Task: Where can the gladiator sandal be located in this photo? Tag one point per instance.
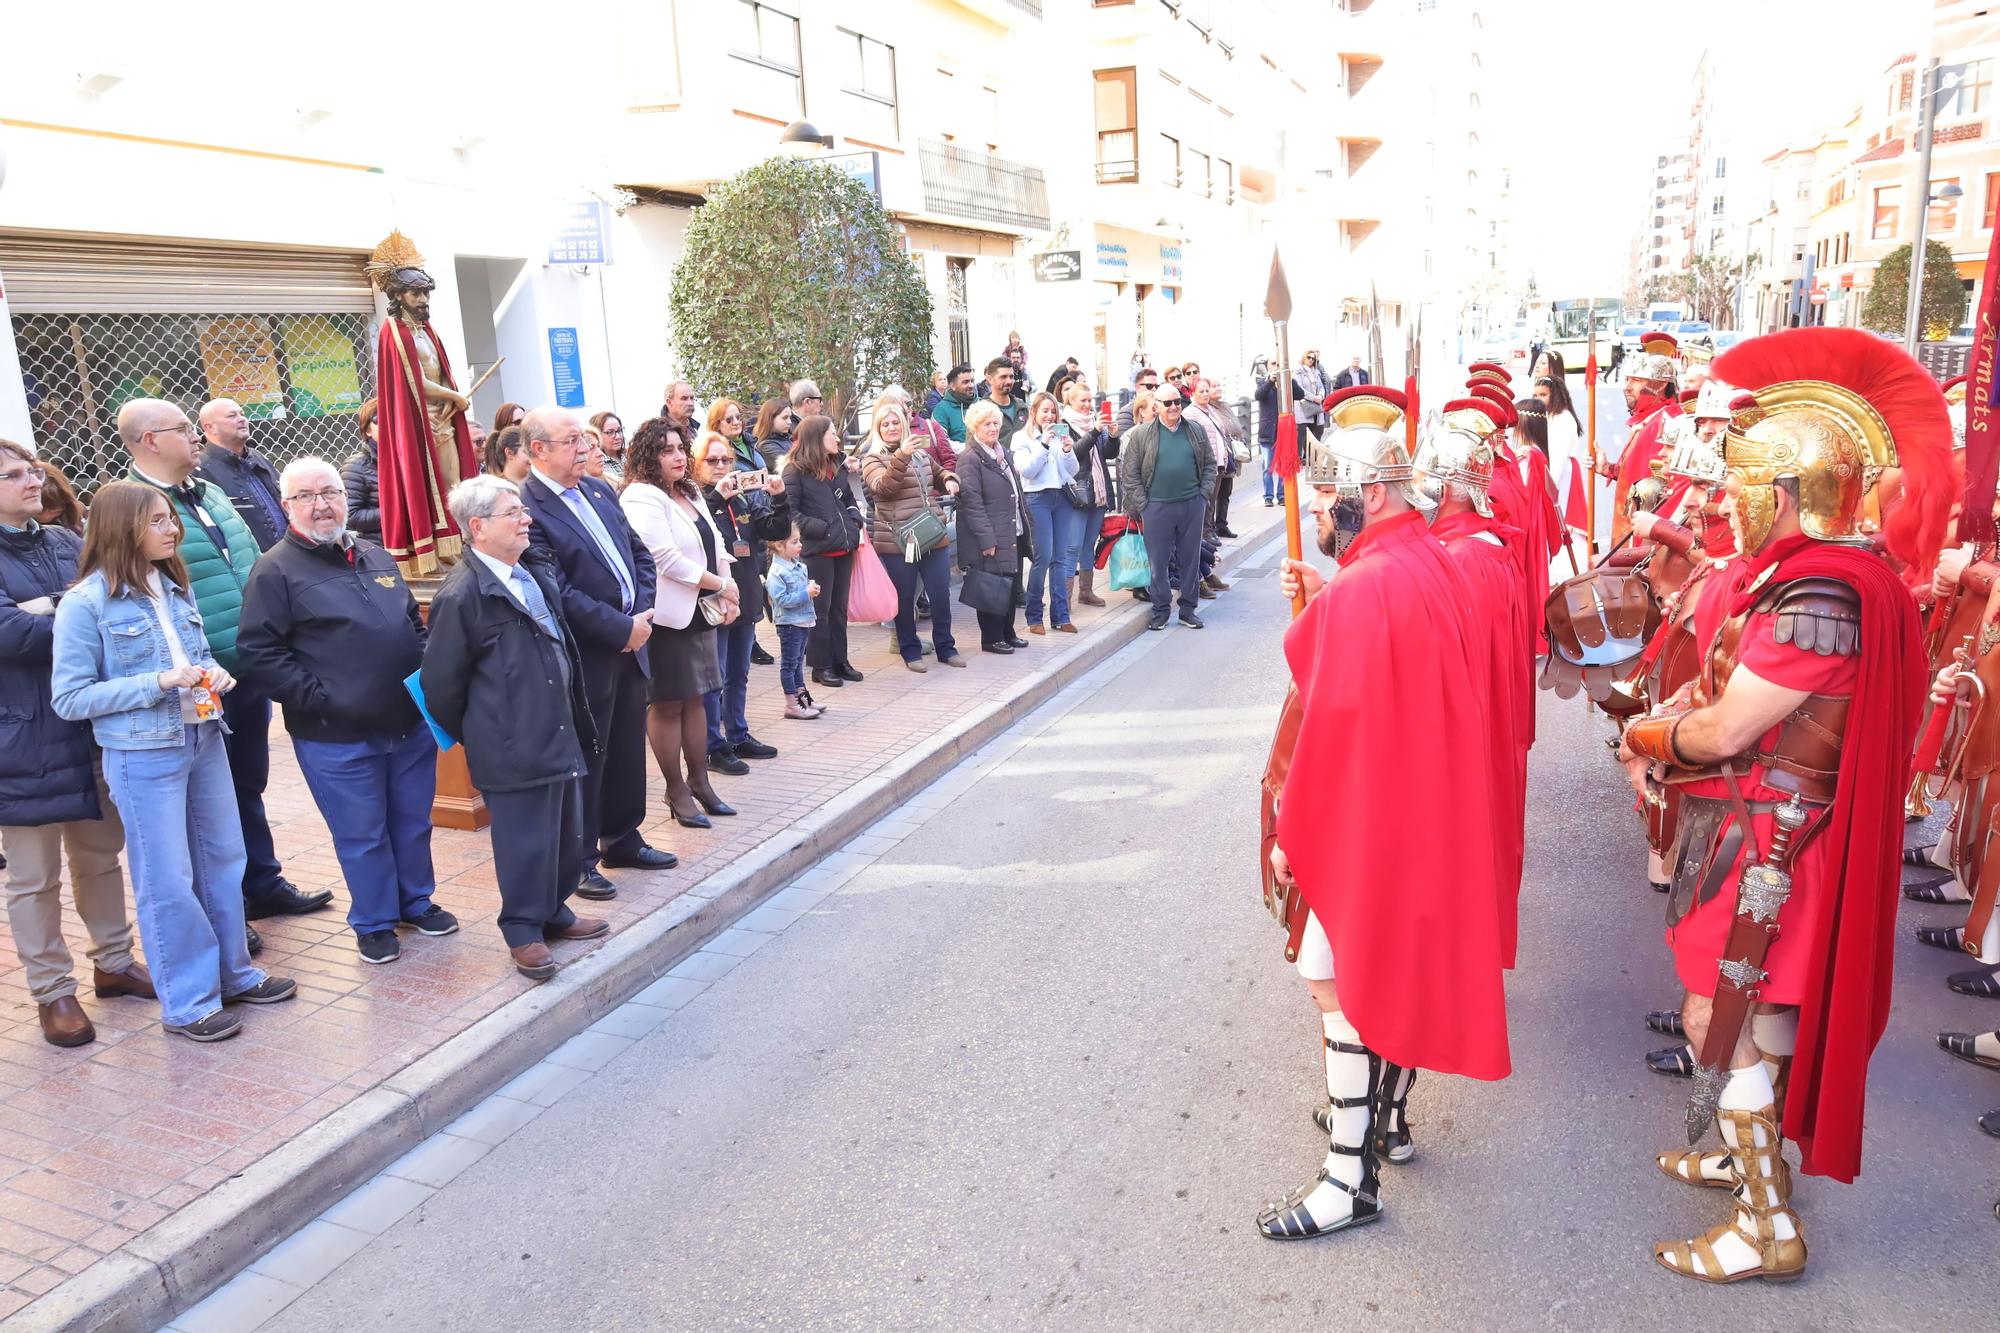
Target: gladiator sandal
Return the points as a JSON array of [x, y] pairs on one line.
[[1390, 1133], [1717, 1170], [1763, 1213], [1327, 1202]]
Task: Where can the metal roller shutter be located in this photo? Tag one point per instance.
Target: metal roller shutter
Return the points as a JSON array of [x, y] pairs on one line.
[[84, 274]]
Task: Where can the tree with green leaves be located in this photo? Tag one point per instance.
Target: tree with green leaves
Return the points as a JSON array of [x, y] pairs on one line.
[[1888, 306], [793, 270]]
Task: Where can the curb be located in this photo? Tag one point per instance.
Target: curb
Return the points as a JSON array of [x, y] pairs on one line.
[[170, 1267]]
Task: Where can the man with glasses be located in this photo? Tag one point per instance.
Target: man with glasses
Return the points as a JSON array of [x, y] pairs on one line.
[[219, 552], [1146, 381], [607, 580], [806, 402], [1166, 474], [503, 676], [331, 631]]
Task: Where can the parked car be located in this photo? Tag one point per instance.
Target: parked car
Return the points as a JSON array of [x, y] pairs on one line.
[[1728, 338], [1694, 333]]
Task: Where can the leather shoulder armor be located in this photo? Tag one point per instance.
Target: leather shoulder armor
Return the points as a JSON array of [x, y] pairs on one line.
[[1818, 616]]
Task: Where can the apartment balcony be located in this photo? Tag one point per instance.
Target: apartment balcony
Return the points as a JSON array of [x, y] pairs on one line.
[[1006, 13], [961, 182], [1117, 157]]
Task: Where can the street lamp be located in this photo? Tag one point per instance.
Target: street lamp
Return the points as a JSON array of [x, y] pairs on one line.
[[801, 137], [1914, 311]]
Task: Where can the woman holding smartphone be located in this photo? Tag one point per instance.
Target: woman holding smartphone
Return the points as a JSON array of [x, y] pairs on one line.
[[1045, 457]]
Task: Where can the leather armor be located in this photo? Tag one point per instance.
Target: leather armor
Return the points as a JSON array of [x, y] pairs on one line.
[[1815, 615], [1599, 623]]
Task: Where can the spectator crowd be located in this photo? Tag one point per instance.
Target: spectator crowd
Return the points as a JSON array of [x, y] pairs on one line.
[[606, 606]]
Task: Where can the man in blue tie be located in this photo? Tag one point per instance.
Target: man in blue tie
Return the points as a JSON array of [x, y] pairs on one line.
[[605, 576], [503, 676]]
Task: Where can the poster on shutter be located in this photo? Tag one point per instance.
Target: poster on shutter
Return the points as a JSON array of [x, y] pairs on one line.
[[241, 362], [566, 365], [320, 364]]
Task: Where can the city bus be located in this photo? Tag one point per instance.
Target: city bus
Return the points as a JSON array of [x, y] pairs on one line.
[[1569, 329]]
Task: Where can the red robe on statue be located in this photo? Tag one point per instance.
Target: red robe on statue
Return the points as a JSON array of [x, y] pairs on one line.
[[1478, 547], [1387, 815], [417, 529]]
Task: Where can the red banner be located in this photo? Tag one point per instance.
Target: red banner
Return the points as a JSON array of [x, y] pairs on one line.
[[1982, 423]]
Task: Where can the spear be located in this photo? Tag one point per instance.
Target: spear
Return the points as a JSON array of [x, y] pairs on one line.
[[1285, 457], [1590, 382], [1412, 340]]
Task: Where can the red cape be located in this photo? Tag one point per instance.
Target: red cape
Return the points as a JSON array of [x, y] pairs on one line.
[[1499, 612], [1529, 525], [1847, 998], [417, 529], [1636, 463], [1403, 886]]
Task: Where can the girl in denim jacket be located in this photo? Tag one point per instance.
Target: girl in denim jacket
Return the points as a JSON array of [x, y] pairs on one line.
[[131, 659], [792, 592]]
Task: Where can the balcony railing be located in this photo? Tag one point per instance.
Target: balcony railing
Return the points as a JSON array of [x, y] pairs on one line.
[[970, 184], [1117, 156]]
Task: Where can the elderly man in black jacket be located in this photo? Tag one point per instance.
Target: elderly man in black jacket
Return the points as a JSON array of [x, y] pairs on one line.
[[606, 579], [502, 675], [52, 795], [331, 632]]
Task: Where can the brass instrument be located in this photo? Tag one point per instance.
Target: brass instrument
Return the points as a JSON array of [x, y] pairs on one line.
[[1968, 703]]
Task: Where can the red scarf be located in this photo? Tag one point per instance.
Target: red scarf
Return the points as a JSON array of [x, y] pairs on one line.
[[1847, 1000]]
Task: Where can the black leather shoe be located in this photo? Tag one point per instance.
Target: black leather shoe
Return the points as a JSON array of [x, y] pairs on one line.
[[645, 858], [284, 899], [723, 761], [1673, 1061], [595, 887], [758, 657], [715, 805], [846, 671], [1666, 1022], [1017, 642], [827, 677], [752, 748], [696, 820], [252, 940], [1005, 650]]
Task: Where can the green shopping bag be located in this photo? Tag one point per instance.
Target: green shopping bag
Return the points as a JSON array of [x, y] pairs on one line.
[[1129, 566]]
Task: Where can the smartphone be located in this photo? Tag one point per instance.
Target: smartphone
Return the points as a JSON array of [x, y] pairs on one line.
[[1062, 429], [752, 481]]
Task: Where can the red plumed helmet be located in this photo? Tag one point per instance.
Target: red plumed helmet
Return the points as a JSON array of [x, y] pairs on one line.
[[1495, 412], [1394, 397], [1502, 404], [1901, 392]]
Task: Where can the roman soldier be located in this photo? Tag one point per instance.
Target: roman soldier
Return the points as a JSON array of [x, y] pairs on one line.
[[1652, 398], [1787, 854], [1379, 708], [1456, 464]]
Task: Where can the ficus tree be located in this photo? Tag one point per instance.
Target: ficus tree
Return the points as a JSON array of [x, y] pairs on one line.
[[1889, 299], [793, 270]]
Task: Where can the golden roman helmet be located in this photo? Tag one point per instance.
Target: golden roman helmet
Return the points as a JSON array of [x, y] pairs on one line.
[[1456, 451], [1819, 436], [1363, 444]]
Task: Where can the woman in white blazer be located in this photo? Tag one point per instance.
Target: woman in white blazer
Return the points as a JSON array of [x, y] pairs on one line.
[[664, 505]]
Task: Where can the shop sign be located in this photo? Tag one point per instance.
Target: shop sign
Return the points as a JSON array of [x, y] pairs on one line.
[[582, 234], [566, 364], [241, 362], [319, 357], [1059, 266]]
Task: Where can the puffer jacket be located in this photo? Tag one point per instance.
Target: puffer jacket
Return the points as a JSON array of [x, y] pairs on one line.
[[362, 481], [898, 483], [215, 575], [47, 773]]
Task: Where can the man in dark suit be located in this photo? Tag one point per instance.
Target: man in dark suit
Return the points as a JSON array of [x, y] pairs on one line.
[[502, 675], [1351, 376], [607, 583]]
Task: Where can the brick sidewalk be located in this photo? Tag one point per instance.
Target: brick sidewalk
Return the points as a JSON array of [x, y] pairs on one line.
[[99, 1143]]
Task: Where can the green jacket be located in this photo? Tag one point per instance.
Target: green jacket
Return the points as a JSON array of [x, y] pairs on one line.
[[217, 578], [950, 414]]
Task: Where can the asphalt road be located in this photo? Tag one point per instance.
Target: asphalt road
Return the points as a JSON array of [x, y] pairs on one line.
[[1038, 1066]]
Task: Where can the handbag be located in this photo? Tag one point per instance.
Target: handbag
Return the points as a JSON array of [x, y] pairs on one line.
[[714, 610], [871, 594], [924, 531], [1129, 566], [987, 592]]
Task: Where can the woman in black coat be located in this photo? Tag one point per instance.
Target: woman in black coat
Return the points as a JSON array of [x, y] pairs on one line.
[[993, 530], [820, 482]]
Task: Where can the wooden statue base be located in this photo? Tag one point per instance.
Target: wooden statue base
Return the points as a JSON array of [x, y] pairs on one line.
[[458, 803]]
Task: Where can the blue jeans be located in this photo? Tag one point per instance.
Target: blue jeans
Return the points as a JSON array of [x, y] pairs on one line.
[[934, 571], [1274, 485], [1054, 522], [248, 717], [792, 657], [1173, 546], [1083, 550], [727, 722], [184, 848], [375, 796]]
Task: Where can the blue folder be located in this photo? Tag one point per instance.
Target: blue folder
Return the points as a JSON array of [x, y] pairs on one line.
[[415, 685]]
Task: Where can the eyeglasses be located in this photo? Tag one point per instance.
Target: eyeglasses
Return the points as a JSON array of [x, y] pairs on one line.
[[319, 497], [1172, 402], [612, 430], [37, 473], [502, 515], [187, 428], [164, 523]]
